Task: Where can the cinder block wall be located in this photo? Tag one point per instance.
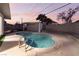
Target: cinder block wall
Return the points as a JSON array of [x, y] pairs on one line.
[[70, 28], [32, 27]]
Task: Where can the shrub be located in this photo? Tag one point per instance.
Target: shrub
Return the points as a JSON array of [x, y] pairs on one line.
[[1, 39]]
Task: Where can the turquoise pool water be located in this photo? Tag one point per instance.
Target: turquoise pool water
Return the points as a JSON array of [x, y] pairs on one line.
[[37, 40]]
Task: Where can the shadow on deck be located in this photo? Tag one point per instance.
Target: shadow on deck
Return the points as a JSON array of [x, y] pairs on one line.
[[8, 45]]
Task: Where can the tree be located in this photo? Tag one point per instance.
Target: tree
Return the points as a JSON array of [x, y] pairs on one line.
[[44, 20], [68, 15]]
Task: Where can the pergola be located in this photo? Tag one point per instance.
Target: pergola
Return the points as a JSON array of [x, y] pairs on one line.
[[4, 14]]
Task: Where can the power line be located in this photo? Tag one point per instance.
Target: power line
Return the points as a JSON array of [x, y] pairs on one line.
[[58, 8], [45, 8]]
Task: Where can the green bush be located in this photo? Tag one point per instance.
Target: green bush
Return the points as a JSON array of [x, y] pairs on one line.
[[1, 39]]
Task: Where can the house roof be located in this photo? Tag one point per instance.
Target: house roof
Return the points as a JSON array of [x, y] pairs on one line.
[[5, 10], [77, 21]]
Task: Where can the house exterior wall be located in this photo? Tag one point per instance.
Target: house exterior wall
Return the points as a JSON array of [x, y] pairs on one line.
[[1, 24]]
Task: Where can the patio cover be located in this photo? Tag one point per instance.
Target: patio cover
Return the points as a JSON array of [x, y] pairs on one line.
[[5, 10]]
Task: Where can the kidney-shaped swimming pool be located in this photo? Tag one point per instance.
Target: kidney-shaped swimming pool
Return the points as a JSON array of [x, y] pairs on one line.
[[37, 40]]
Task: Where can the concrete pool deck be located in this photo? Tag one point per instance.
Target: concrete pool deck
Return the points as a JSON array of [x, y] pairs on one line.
[[66, 45]]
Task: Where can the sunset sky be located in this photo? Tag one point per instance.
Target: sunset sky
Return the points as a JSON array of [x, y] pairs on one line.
[[29, 11]]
